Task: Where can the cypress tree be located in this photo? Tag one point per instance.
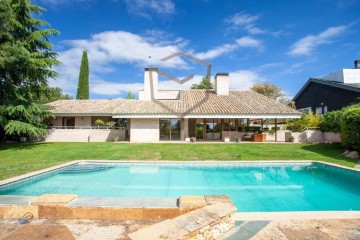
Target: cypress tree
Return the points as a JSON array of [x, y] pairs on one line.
[[83, 86]]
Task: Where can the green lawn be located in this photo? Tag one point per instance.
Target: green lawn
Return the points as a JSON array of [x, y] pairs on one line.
[[17, 159]]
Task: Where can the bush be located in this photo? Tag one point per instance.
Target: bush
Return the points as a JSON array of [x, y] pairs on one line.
[[99, 122], [331, 121], [307, 120], [350, 128]]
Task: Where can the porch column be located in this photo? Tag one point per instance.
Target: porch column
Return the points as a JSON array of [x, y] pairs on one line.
[[275, 129], [184, 128]]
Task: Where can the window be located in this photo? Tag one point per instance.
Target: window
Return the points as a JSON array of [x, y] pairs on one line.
[[170, 129], [325, 109], [68, 122], [305, 110], [318, 110]]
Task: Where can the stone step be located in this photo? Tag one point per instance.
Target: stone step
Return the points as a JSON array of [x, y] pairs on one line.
[[245, 230]]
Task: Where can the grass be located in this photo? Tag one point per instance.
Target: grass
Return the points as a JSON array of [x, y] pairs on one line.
[[17, 159]]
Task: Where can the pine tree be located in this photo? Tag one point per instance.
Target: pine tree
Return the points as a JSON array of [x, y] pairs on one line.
[[83, 86], [203, 84], [130, 95], [26, 62]]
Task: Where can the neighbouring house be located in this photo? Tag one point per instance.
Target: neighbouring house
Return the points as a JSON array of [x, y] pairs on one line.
[[332, 92], [208, 115]]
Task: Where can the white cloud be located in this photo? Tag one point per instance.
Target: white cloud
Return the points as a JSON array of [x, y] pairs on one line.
[[306, 45], [112, 88], [245, 42], [244, 79], [108, 48], [244, 21], [147, 8], [238, 80]]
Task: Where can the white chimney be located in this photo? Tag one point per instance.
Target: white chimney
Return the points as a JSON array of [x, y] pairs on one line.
[[150, 84], [222, 84]]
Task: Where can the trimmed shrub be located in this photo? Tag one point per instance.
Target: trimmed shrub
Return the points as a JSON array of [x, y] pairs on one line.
[[99, 122], [331, 121], [350, 129]]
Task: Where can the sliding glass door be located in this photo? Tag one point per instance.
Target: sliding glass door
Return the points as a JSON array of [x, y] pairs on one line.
[[170, 129]]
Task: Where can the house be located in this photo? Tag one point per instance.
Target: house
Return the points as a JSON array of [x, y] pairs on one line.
[[208, 115], [332, 92]]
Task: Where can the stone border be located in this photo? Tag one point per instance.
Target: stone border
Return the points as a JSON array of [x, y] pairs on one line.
[[58, 206], [211, 220]]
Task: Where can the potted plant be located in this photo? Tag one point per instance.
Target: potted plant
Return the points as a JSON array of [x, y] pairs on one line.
[[116, 139], [187, 139], [238, 139], [192, 139], [110, 124], [99, 123], [291, 138]]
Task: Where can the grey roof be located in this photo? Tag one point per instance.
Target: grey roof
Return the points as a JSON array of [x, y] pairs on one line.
[[351, 87]]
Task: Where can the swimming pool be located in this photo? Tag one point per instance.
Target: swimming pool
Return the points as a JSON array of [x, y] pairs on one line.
[[253, 187]]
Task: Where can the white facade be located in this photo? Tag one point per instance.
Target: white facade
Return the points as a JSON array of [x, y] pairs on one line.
[[144, 130], [222, 84], [150, 85], [347, 76]]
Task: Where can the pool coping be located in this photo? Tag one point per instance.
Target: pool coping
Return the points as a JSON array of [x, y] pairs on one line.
[[60, 166], [248, 216]]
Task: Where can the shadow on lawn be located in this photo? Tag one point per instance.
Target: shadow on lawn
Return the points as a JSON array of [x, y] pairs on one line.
[[331, 150], [20, 146]]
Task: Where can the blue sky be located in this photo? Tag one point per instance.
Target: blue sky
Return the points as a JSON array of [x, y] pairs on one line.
[[284, 42]]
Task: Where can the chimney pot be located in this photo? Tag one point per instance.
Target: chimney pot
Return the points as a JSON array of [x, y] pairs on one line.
[[357, 64]]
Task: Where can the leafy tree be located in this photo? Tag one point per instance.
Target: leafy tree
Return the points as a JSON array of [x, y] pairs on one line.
[[307, 120], [52, 94], [83, 86], [203, 84], [270, 90], [130, 95], [26, 63]]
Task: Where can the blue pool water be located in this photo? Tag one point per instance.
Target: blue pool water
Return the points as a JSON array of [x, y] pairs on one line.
[[253, 187]]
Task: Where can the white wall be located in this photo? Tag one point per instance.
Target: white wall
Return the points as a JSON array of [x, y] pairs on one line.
[[82, 121], [84, 135], [146, 94], [351, 75], [144, 130], [57, 121], [222, 85], [345, 76]]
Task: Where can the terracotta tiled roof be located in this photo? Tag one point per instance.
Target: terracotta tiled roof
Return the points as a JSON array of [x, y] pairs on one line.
[[193, 102]]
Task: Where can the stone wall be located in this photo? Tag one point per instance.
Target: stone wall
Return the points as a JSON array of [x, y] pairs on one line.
[[202, 218], [332, 137], [315, 136], [144, 130], [84, 135]]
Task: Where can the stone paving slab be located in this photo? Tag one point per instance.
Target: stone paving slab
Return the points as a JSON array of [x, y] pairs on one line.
[[47, 199], [126, 202], [7, 229], [41, 232], [329, 229], [16, 199]]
